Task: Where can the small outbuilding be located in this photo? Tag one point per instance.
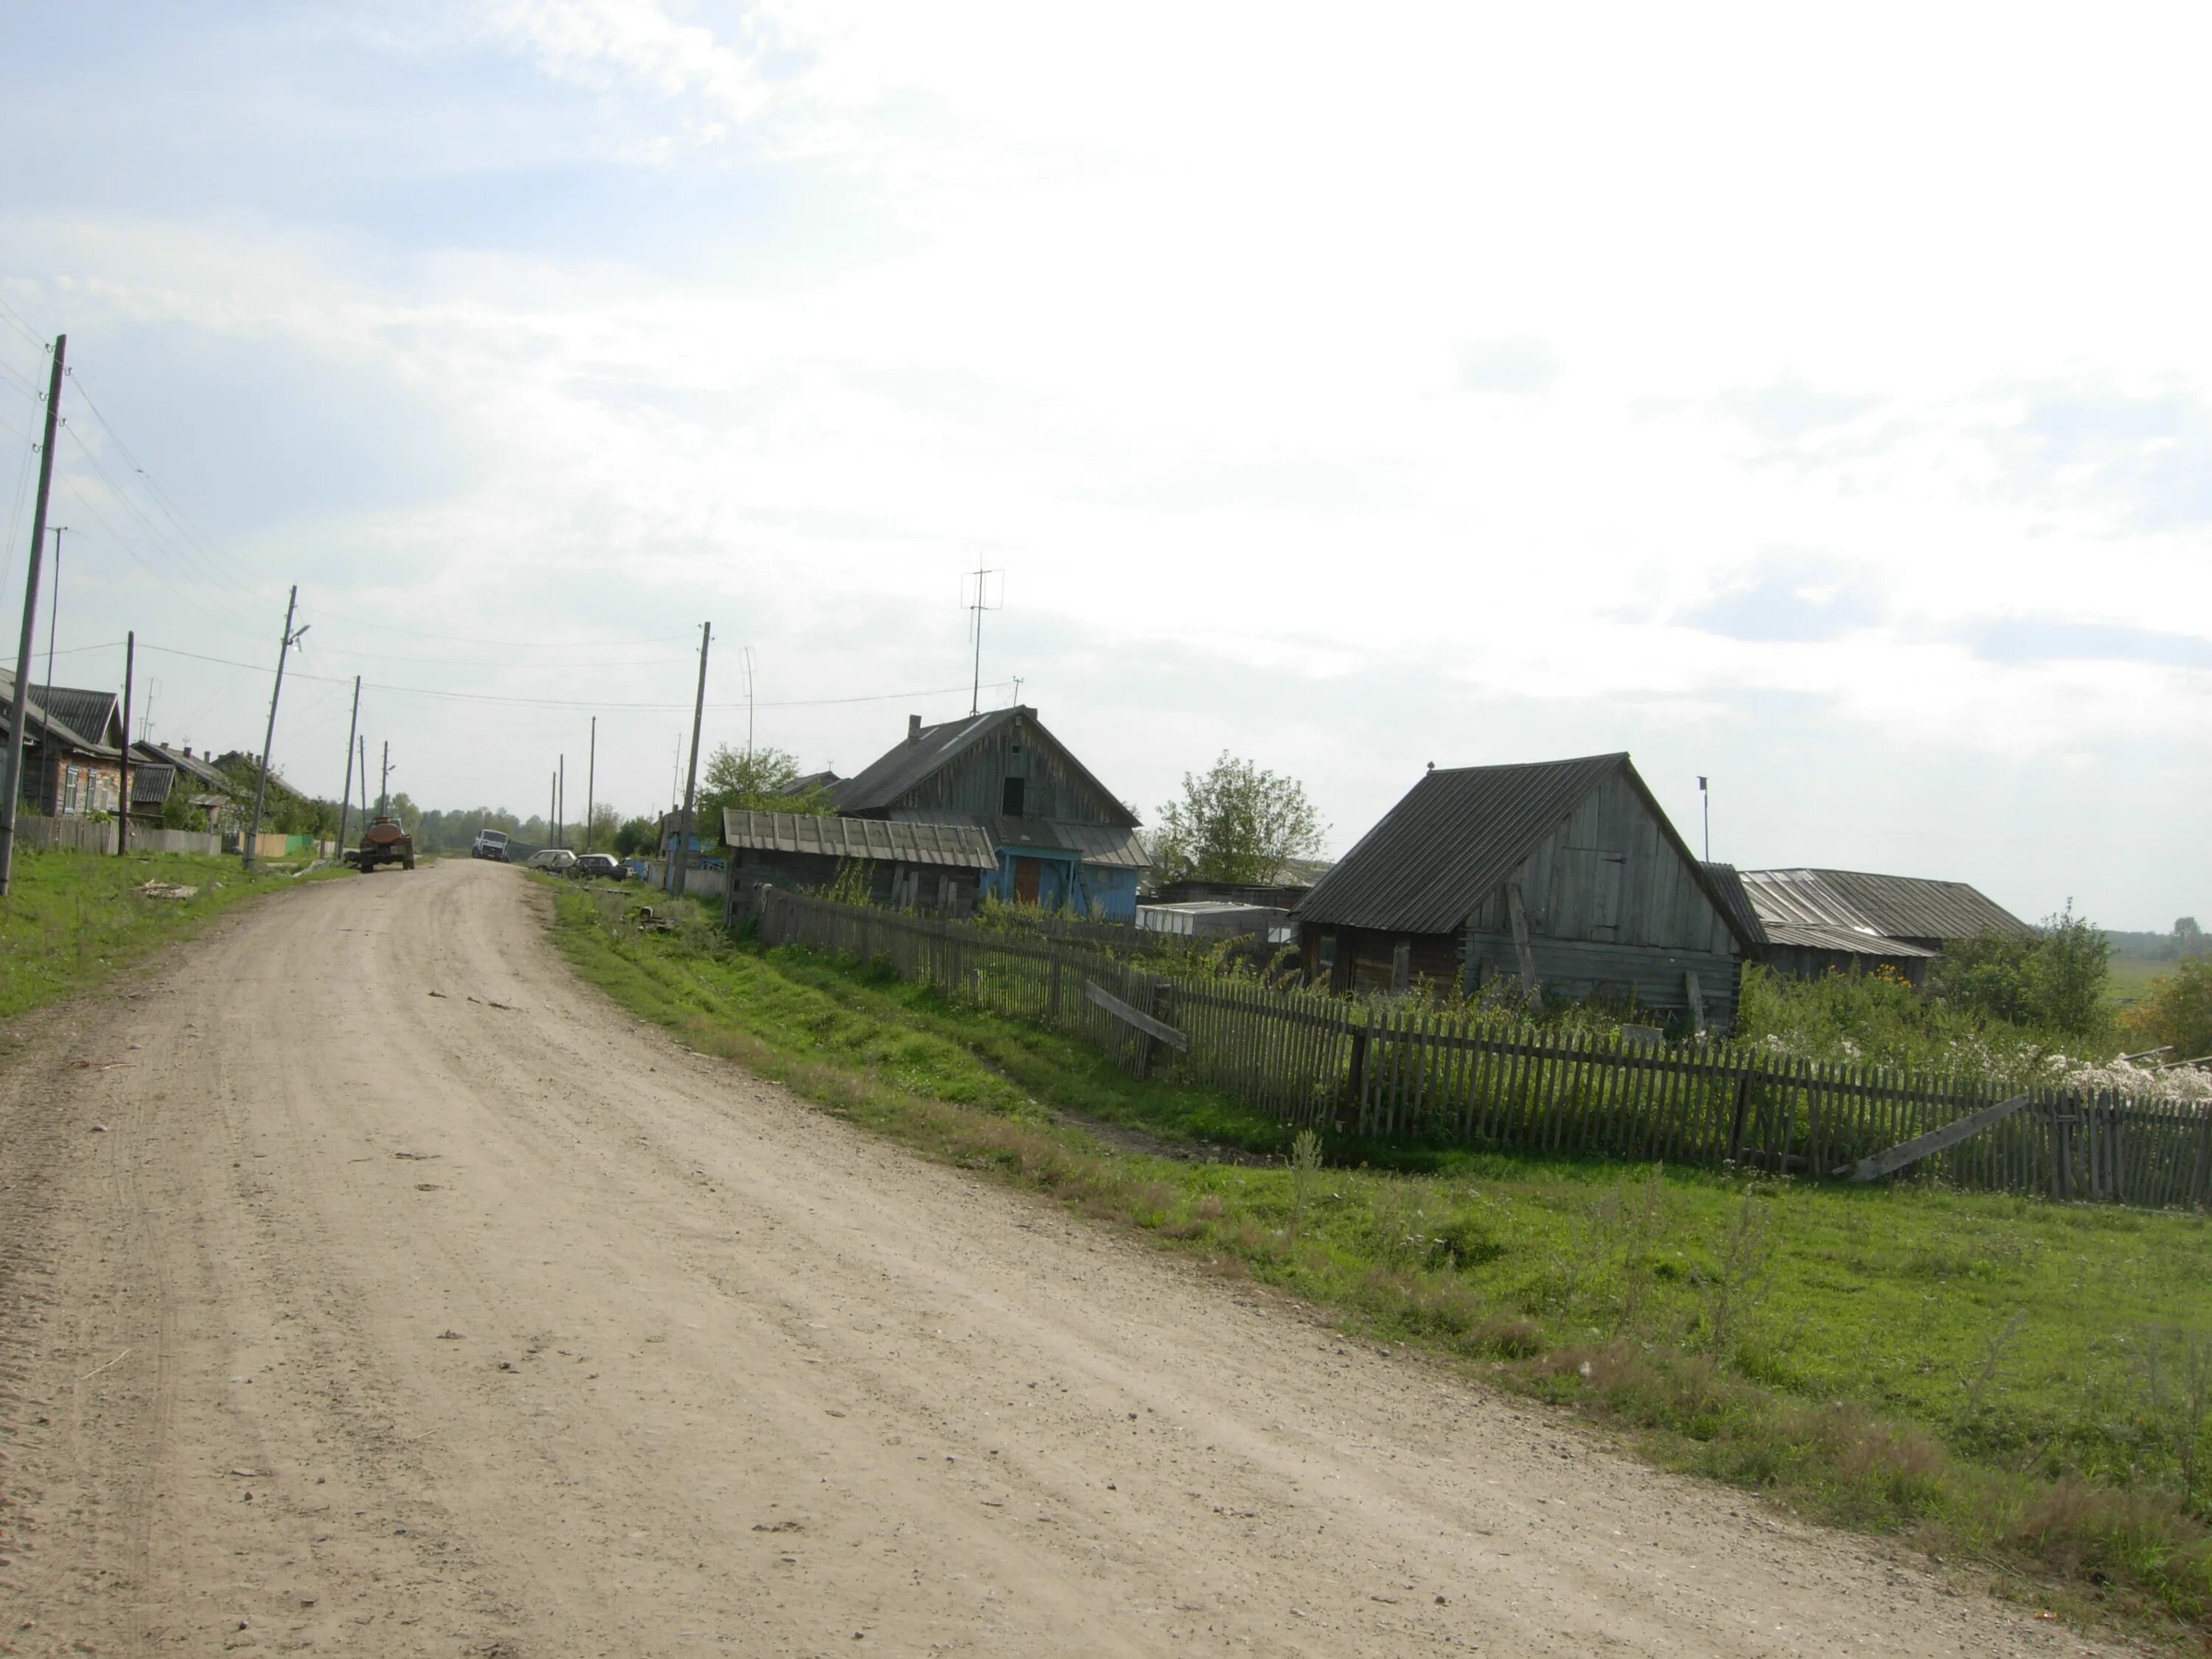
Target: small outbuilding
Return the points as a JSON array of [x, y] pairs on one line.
[[1565, 876], [909, 866], [1816, 922]]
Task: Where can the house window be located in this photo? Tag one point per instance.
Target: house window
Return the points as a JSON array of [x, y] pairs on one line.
[[1010, 805], [72, 781], [1327, 951]]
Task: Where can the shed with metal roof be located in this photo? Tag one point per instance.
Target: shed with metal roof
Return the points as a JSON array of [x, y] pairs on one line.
[[1565, 875], [932, 865]]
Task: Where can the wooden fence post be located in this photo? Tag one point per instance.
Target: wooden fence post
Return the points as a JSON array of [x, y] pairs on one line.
[[1743, 1107], [2203, 1159]]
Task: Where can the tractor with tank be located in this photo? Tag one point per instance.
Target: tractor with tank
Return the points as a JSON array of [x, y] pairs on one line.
[[385, 841]]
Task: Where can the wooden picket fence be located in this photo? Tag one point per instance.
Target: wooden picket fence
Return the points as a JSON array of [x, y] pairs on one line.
[[1393, 1070]]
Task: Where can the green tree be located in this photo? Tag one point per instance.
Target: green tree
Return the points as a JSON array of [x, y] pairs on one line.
[[1233, 823], [757, 780], [2177, 1010], [606, 825], [2053, 979], [637, 835]]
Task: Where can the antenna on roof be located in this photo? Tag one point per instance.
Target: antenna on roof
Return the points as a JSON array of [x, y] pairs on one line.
[[1705, 800], [976, 606]]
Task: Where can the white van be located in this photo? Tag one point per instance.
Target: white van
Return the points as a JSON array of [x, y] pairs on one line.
[[489, 844]]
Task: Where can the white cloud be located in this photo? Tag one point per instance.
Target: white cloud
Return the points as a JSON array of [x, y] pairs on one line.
[[792, 312]]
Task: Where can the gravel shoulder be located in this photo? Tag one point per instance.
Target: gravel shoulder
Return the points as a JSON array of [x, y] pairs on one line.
[[341, 1316]]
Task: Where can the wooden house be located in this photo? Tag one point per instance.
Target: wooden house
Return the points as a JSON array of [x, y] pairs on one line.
[[72, 749], [936, 866], [1812, 922], [1059, 838], [160, 775], [1564, 876]]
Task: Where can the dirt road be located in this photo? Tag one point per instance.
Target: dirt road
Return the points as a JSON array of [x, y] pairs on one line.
[[337, 1316]]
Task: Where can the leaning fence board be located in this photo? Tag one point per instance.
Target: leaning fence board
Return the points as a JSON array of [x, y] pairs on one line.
[[1920, 1147], [1136, 1017]]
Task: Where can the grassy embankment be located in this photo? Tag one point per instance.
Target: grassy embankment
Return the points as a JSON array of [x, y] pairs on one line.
[[71, 919], [1999, 1381]]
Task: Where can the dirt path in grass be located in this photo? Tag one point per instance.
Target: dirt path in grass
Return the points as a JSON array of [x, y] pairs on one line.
[[337, 1315]]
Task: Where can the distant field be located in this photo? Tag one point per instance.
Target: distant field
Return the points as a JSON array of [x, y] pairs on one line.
[[2132, 977]]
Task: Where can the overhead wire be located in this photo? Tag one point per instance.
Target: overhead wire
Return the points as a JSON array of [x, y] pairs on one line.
[[566, 702], [158, 539], [15, 322], [185, 525]]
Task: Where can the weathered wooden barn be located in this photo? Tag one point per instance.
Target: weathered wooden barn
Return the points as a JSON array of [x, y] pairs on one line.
[[1565, 875], [1815, 921], [1059, 838]]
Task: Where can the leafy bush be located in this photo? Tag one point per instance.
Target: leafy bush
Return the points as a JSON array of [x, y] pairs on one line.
[[2176, 1011], [2053, 979]]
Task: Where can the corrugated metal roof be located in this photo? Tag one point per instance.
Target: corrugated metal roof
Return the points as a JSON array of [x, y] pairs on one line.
[[150, 784], [89, 713], [156, 753], [1896, 907], [1458, 833], [960, 846], [1092, 843], [1729, 885], [39, 720], [1842, 938], [879, 785]]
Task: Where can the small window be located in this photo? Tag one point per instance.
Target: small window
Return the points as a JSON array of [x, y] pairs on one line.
[[1010, 805], [1328, 949]]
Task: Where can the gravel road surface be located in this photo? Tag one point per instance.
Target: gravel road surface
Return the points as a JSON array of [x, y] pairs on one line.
[[340, 1316]]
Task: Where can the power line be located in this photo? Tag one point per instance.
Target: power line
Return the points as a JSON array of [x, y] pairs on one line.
[[563, 702], [325, 613], [158, 539], [15, 322]]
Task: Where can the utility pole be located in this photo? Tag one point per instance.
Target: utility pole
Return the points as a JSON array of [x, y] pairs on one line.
[[691, 778], [345, 795], [749, 705], [384, 784], [553, 806], [364, 785], [268, 742], [561, 800], [591, 779], [11, 787], [123, 784], [1705, 801]]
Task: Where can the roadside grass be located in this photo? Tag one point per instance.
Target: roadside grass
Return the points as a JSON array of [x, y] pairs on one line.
[[2001, 1382], [71, 919]]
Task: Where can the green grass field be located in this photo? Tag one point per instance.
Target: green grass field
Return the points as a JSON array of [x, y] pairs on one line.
[[2132, 977], [2003, 1381], [71, 919]]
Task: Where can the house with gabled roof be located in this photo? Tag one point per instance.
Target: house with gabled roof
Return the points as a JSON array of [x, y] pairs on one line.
[[72, 749], [1565, 876], [1059, 838], [161, 774]]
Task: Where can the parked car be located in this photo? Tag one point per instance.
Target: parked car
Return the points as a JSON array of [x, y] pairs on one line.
[[603, 866], [556, 858]]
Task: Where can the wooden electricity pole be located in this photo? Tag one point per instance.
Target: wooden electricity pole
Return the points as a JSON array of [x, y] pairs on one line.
[[123, 784], [591, 779], [11, 787], [345, 795], [269, 740], [691, 778]]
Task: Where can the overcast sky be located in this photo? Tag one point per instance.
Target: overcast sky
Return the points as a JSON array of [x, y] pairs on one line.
[[1823, 406]]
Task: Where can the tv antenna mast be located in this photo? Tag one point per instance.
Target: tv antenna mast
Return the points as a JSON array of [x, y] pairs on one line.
[[982, 601]]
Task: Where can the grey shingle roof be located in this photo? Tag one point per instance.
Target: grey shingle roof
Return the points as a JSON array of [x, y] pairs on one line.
[[40, 721], [1896, 907], [1458, 833], [1841, 938], [884, 840], [150, 784]]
